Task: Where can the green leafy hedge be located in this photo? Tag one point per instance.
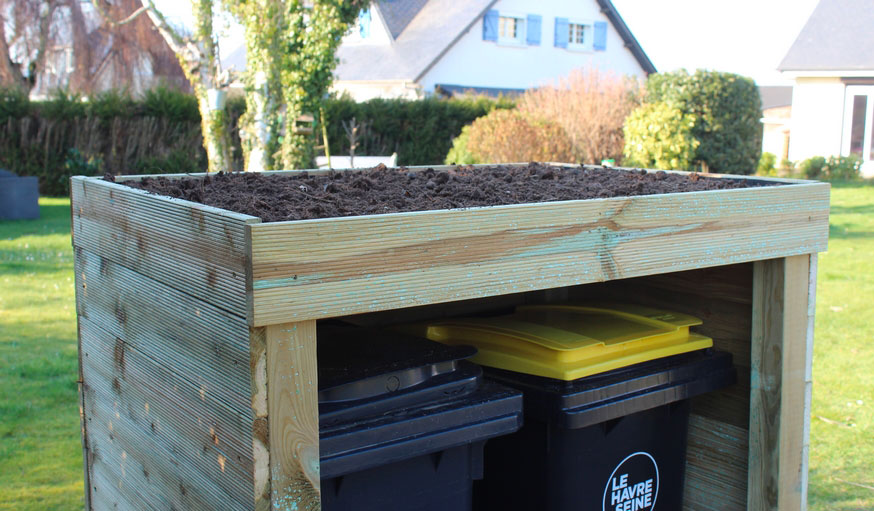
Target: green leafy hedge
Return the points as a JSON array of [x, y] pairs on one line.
[[160, 133], [420, 131]]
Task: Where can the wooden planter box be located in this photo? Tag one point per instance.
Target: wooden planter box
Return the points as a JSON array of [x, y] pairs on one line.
[[197, 326]]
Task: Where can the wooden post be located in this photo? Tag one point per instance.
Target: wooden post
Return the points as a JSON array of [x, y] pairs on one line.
[[782, 350], [293, 416]]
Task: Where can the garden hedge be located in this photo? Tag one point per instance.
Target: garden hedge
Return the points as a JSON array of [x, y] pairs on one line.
[[160, 133]]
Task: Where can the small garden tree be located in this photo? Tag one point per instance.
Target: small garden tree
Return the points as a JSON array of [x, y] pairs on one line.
[[726, 108]]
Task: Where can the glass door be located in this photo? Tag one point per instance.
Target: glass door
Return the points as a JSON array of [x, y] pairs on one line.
[[858, 135]]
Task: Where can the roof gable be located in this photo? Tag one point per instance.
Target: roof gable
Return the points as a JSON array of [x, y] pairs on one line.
[[837, 36], [399, 13], [425, 30]]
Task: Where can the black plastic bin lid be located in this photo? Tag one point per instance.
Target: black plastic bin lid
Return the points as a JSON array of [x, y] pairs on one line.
[[599, 398], [366, 371], [385, 396]]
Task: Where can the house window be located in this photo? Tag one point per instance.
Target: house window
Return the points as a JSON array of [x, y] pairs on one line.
[[858, 136], [577, 34], [511, 30]]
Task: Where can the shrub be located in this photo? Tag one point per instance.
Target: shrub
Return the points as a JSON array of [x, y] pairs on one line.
[[460, 154], [659, 136], [591, 107], [767, 165], [832, 168], [507, 136], [726, 107], [811, 168]]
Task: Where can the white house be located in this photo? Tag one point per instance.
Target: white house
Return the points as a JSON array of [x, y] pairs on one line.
[[412, 48], [832, 63]]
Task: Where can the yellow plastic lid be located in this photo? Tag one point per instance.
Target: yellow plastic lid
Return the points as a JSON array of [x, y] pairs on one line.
[[567, 342]]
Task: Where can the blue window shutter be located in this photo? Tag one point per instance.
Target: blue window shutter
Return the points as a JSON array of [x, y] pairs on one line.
[[533, 30], [561, 32], [364, 23], [600, 41], [490, 26]]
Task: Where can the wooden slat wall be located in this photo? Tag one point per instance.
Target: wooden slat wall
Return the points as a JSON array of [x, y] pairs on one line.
[[206, 437], [200, 250], [172, 375], [201, 342], [722, 298], [326, 268]]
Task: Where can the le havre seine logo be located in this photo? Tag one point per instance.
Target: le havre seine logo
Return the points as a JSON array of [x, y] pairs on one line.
[[633, 485]]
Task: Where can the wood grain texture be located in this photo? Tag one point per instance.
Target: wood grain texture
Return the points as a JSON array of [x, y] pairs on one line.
[[334, 267], [260, 431], [192, 247], [207, 437], [716, 466], [780, 383], [796, 381], [200, 342], [293, 416]]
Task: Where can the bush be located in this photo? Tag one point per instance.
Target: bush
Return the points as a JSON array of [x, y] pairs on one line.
[[659, 136], [811, 168], [832, 168], [726, 107], [767, 165], [459, 154], [591, 107], [507, 136]]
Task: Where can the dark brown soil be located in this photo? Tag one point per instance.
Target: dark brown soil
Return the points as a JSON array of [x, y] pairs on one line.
[[387, 190]]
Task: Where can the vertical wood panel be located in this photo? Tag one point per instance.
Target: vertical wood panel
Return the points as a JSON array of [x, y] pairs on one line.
[[293, 416], [780, 381]]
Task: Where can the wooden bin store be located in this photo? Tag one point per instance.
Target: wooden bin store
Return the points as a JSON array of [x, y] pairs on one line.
[[197, 326]]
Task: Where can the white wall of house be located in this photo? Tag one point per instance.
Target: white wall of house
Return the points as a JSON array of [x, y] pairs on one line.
[[478, 63], [363, 90], [817, 117]]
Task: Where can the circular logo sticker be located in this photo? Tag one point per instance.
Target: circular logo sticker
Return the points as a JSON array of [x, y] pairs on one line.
[[633, 485]]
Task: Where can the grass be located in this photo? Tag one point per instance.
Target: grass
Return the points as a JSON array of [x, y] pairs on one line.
[[842, 428], [40, 453]]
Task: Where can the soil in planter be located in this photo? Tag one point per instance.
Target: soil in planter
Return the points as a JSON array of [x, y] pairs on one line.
[[276, 198]]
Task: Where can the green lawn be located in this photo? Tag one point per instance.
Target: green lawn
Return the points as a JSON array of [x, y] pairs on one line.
[[40, 453]]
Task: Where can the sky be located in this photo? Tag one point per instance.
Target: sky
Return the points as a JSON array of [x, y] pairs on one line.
[[748, 37]]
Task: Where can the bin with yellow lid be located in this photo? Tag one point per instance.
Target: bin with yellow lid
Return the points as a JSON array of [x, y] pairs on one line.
[[606, 391]]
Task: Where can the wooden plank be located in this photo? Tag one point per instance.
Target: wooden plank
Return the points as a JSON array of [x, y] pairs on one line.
[[206, 436], [138, 469], [714, 444], [199, 342], [326, 268], [293, 416], [260, 426], [195, 248], [780, 381], [796, 381]]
